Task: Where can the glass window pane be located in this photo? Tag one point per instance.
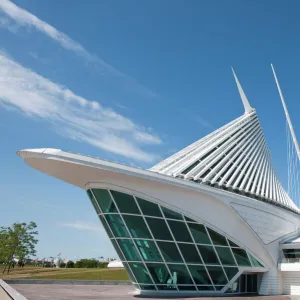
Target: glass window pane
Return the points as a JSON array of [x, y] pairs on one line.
[[225, 256], [125, 203], [140, 272], [219, 287], [102, 219], [148, 208], [199, 274], [148, 250], [129, 272], [205, 288], [159, 229], [199, 233], [217, 275], [189, 219], [116, 247], [116, 225], [170, 214], [129, 250], [255, 262], [208, 254], [217, 238], [232, 244], [169, 252], [180, 274], [230, 272], [159, 273], [147, 287], [137, 227], [241, 257], [104, 200], [186, 288], [190, 253], [95, 205], [180, 231], [166, 287]]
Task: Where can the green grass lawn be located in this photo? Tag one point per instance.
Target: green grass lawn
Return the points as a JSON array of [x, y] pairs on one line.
[[65, 273]]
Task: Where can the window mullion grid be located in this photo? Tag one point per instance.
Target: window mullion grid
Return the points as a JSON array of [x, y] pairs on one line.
[[136, 281], [154, 240], [102, 214], [200, 256], [232, 253], [132, 239], [179, 248], [216, 253], [95, 201]]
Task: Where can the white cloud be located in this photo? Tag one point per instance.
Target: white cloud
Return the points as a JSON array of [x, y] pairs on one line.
[[81, 225], [23, 18], [77, 118]]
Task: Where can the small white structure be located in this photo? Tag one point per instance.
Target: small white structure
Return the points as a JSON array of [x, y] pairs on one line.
[[115, 264]]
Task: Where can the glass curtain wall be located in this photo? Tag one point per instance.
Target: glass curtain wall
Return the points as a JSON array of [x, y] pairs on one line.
[[162, 249]]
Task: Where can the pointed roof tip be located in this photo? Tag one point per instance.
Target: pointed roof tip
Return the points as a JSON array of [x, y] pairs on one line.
[[245, 101]]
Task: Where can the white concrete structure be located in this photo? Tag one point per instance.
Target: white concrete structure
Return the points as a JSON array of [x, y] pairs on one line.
[[115, 264], [211, 219]]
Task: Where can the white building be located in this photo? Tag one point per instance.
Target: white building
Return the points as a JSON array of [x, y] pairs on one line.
[[211, 219]]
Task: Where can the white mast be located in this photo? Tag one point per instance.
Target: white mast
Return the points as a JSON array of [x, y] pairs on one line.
[[287, 114], [246, 104]]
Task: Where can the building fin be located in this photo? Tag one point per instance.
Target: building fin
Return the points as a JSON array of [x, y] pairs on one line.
[[246, 104]]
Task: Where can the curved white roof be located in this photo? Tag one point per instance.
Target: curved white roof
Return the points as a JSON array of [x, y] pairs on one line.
[[235, 157]]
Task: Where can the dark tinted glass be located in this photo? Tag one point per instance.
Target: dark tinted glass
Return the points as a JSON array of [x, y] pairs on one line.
[[140, 272], [117, 226], [241, 257], [93, 201], [217, 275], [190, 253], [169, 252], [232, 244], [225, 256], [148, 208], [125, 203], [217, 238], [129, 272], [205, 288], [256, 263], [116, 247], [186, 288], [230, 272], [208, 254], [104, 200], [102, 219], [159, 273], [129, 250], [199, 274], [189, 219], [219, 287], [159, 229], [199, 233], [148, 250], [170, 214], [180, 274], [180, 231], [167, 287], [147, 287], [137, 227]]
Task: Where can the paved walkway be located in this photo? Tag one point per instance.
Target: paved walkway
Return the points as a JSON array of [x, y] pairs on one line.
[[3, 295], [105, 292]]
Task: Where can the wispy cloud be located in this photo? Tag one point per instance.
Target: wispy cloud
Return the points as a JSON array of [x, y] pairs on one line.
[[81, 225], [77, 118], [15, 17]]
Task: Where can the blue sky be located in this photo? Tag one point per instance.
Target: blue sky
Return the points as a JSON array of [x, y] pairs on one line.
[[130, 81]]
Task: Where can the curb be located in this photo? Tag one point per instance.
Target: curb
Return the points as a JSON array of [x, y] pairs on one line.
[[71, 282], [12, 293]]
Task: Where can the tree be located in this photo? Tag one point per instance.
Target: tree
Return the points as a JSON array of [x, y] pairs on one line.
[[70, 264], [17, 241]]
